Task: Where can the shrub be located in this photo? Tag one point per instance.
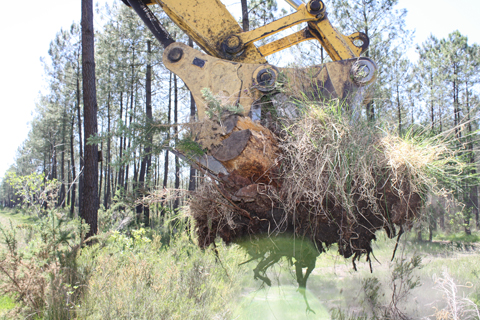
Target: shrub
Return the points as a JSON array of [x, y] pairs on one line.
[[140, 278], [43, 276]]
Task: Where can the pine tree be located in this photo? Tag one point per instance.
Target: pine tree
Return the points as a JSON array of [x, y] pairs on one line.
[[90, 190]]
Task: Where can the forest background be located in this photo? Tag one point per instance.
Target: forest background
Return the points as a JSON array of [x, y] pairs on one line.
[[30, 41], [433, 84], [429, 87]]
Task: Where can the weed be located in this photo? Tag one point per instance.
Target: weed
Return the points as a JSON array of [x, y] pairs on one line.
[[402, 280], [456, 307], [42, 275]]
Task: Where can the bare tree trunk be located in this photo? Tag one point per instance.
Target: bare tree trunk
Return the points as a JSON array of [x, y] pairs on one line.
[[472, 203], [166, 160], [147, 158], [62, 169], [90, 191], [132, 94], [245, 22], [100, 174], [62, 193], [165, 171], [69, 181], [74, 175], [80, 152], [106, 199], [53, 172], [175, 132], [399, 113], [119, 183], [193, 173]]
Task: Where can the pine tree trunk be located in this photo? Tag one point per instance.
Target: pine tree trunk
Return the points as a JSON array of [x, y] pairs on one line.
[[432, 114], [193, 173], [74, 175], [80, 152], [90, 191], [69, 181], [106, 199], [53, 172], [175, 132], [399, 109], [165, 170], [125, 146], [147, 158], [472, 203], [100, 174], [132, 94], [245, 22], [62, 195], [119, 183]]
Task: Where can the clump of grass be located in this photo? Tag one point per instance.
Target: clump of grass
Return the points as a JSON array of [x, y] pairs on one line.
[[344, 178], [329, 158]]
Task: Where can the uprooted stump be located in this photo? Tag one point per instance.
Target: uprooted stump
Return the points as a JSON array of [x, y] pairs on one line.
[[335, 181]]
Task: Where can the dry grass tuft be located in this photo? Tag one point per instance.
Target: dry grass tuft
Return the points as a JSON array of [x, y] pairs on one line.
[[457, 307]]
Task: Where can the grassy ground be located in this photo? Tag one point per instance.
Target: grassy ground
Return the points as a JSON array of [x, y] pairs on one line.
[[6, 304], [15, 216], [335, 285], [192, 284]]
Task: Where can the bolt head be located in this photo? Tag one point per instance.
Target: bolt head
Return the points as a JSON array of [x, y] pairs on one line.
[[315, 6], [232, 44], [175, 54], [266, 76]]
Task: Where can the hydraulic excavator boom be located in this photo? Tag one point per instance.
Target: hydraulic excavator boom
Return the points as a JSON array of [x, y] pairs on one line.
[[235, 70]]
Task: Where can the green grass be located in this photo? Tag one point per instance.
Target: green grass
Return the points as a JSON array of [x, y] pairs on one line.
[[140, 276], [6, 303], [17, 216], [279, 302], [459, 237]]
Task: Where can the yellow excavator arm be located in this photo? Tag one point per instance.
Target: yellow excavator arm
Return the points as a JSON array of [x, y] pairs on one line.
[[235, 70]]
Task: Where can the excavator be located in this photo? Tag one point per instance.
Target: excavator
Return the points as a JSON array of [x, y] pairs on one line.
[[234, 69], [241, 150]]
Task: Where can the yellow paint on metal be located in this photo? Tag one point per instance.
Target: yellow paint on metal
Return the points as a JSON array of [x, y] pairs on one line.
[[209, 23], [285, 42], [236, 83], [302, 15], [200, 71], [338, 46]]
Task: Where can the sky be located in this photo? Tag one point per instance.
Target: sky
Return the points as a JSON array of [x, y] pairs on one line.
[[29, 26]]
